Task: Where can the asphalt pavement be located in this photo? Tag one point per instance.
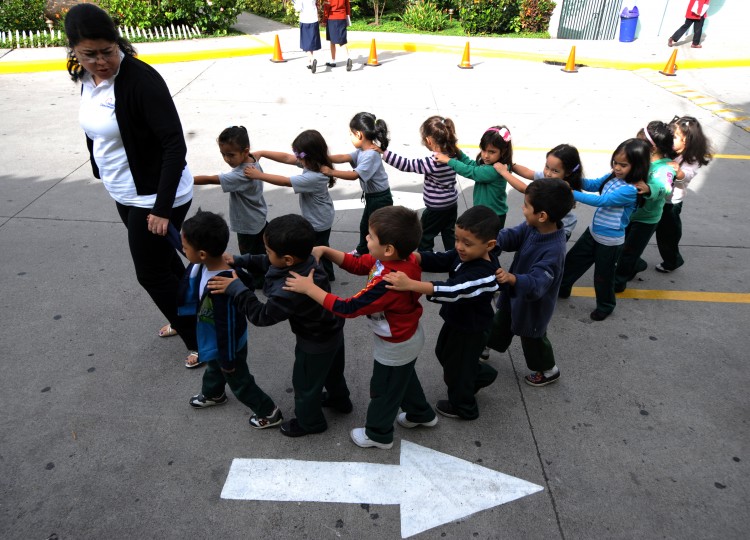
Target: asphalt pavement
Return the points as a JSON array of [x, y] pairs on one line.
[[646, 434]]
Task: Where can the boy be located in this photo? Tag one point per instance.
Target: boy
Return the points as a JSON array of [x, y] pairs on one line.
[[394, 232], [319, 352], [222, 335], [530, 288], [466, 299]]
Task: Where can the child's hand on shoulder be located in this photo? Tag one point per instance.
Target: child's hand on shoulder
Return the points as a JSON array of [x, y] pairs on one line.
[[299, 283], [642, 187], [228, 258], [219, 284], [399, 281], [503, 277], [502, 169], [251, 172], [440, 157], [326, 170], [318, 252]]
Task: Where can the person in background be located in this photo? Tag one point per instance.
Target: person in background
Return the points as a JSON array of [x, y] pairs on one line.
[[695, 15]]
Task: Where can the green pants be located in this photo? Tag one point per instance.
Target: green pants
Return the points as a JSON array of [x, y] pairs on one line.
[[585, 252], [392, 387], [458, 352], [438, 221], [637, 236], [253, 244], [240, 381], [536, 350], [373, 201], [668, 235], [312, 372], [322, 239]]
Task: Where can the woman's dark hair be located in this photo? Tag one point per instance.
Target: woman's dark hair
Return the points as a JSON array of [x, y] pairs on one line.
[[571, 161], [236, 135], [697, 146], [372, 128], [660, 137], [312, 147], [88, 21], [499, 137], [443, 132]]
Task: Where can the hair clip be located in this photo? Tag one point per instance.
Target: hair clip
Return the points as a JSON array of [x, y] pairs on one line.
[[648, 136], [574, 169], [299, 155], [503, 132]]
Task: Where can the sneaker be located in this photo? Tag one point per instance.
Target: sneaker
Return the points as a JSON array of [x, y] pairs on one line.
[[538, 379], [485, 354], [348, 64], [342, 405], [597, 315], [331, 64], [403, 422], [445, 408], [660, 268], [291, 428], [360, 438], [201, 402], [263, 422], [620, 287], [314, 65]]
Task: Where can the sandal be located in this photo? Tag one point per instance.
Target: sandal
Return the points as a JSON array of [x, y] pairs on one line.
[[167, 331], [191, 361]]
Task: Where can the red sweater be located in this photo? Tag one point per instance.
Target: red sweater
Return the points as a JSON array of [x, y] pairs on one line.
[[697, 9], [393, 315], [339, 9]]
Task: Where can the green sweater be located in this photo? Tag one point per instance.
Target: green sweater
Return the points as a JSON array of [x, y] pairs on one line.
[[660, 177], [490, 186]]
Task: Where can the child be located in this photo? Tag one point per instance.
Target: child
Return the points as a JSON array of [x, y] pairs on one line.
[[466, 299], [222, 335], [694, 151], [338, 17], [310, 152], [309, 30], [530, 288], [247, 207], [601, 243], [319, 353], [563, 162], [653, 193], [367, 134], [696, 13], [489, 190], [394, 233], [439, 193]]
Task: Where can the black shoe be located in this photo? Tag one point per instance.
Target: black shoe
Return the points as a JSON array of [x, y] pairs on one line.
[[597, 315], [293, 429], [342, 405], [314, 66], [309, 66], [331, 64], [200, 401], [348, 64], [619, 288], [445, 408], [563, 294]]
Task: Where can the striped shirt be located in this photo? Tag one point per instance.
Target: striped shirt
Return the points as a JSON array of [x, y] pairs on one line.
[[615, 205], [439, 179]]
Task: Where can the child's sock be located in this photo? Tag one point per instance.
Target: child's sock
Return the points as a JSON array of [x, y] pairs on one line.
[[551, 372]]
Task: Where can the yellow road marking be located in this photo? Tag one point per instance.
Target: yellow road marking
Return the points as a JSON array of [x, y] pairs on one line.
[[683, 296]]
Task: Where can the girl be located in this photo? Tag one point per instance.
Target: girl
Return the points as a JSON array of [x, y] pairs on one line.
[[368, 135], [338, 17], [439, 193], [601, 243], [247, 207], [654, 192], [309, 30], [310, 152], [489, 190], [563, 162], [693, 151]]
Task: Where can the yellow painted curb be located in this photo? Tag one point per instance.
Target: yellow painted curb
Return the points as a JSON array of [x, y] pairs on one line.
[[684, 296]]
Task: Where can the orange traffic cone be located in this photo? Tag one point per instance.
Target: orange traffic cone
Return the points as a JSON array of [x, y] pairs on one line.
[[373, 58], [570, 66], [465, 62], [277, 58], [670, 68]]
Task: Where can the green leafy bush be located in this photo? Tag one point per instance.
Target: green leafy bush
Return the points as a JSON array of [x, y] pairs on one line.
[[135, 13], [535, 14], [424, 15], [22, 15], [213, 16], [274, 9], [489, 16]]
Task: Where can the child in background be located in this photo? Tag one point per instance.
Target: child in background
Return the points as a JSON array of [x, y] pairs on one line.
[[394, 233], [247, 207], [466, 298], [530, 287], [338, 17], [222, 334], [319, 352], [601, 243], [696, 13], [653, 193], [439, 193], [309, 30], [368, 134], [563, 162], [489, 190], [310, 152], [694, 151]]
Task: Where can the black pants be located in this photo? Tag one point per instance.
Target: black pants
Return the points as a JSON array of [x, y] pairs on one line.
[[322, 238], [536, 350], [158, 266], [438, 221], [253, 244], [697, 30], [637, 236], [668, 235], [373, 201]]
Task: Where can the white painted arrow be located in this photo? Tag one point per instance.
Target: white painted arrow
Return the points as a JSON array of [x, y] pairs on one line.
[[432, 488]]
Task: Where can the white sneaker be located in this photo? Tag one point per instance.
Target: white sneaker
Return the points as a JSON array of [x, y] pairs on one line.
[[660, 268], [360, 438], [402, 421]]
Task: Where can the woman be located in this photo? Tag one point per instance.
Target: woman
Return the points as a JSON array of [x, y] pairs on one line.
[[137, 149], [339, 13]]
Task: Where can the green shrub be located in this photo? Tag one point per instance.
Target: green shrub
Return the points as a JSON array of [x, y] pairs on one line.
[[424, 15], [489, 16], [274, 9], [208, 15], [535, 14], [22, 15], [135, 13]]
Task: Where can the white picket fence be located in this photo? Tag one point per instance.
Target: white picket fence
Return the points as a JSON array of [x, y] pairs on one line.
[[23, 39]]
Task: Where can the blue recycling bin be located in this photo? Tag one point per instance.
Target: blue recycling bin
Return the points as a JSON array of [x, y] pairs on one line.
[[628, 24]]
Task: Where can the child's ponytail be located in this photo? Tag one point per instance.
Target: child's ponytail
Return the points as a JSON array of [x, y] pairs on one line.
[[660, 137], [443, 132], [374, 129]]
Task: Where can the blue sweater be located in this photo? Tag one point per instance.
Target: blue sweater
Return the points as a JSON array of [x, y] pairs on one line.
[[538, 267], [615, 205]]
